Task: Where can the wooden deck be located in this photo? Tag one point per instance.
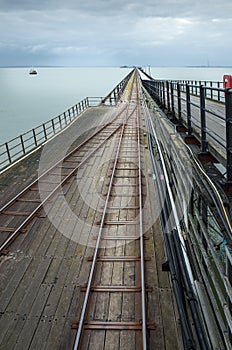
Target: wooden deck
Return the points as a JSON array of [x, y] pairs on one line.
[[44, 272]]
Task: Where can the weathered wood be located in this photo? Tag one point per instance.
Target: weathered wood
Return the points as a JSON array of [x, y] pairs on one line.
[[43, 295]]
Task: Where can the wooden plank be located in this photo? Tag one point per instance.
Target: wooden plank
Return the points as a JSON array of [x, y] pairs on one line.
[[13, 282], [34, 319], [57, 306]]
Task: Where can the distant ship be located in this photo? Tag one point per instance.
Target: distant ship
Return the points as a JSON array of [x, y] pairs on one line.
[[33, 71]]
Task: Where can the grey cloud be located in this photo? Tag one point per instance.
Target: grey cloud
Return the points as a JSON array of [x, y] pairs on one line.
[[80, 32], [154, 8]]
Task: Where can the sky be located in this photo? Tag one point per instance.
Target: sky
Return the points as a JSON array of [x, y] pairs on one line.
[[115, 32]]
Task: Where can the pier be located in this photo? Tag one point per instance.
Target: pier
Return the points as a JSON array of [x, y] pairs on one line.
[[115, 222]]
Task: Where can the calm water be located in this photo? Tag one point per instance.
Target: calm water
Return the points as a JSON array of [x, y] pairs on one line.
[[27, 100]]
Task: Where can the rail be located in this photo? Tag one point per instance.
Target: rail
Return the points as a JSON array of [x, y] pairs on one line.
[[116, 172], [205, 111], [41, 196]]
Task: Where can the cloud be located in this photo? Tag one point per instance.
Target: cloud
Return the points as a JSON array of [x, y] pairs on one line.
[[165, 8], [114, 30]]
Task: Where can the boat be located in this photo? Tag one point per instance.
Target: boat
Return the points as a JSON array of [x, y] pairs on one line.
[[33, 71]]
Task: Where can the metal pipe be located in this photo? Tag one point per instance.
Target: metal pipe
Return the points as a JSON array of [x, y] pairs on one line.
[[141, 241]]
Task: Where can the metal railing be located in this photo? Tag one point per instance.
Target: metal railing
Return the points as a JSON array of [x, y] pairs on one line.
[[205, 224], [204, 110], [212, 92], [23, 144]]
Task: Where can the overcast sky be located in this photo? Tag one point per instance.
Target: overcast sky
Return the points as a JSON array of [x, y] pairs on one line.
[[115, 32]]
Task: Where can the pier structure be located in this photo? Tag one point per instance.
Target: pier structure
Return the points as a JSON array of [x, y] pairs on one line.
[[116, 230]]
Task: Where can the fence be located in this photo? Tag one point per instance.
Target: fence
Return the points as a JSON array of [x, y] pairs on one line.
[[23, 144], [205, 224], [205, 111]]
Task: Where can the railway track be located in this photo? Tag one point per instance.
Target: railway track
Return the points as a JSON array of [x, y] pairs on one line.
[[116, 282], [122, 219], [17, 213]]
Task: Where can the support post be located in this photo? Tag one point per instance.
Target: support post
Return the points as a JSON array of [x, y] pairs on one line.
[[45, 133], [22, 143], [179, 104], [8, 152], [228, 99], [204, 144], [188, 105], [163, 95], [34, 135], [168, 97], [53, 126], [172, 99]]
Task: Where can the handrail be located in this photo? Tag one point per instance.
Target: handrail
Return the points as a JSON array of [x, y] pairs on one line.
[[206, 226], [189, 105], [21, 145]]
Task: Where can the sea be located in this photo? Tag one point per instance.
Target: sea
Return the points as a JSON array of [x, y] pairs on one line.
[[27, 101]]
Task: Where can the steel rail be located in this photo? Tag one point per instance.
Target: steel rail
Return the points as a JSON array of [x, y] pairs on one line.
[[8, 204], [143, 294], [95, 255], [12, 237]]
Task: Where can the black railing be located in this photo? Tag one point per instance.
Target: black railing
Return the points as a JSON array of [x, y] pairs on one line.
[[23, 144], [205, 111], [114, 96], [205, 223]]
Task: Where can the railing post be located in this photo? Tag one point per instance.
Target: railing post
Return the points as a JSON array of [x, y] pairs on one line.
[[60, 121], [219, 94], [172, 98], [211, 90], [8, 152], [168, 97], [22, 143], [34, 135], [188, 106], [65, 119], [45, 133], [163, 99], [228, 98], [179, 104], [204, 144], [53, 126]]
